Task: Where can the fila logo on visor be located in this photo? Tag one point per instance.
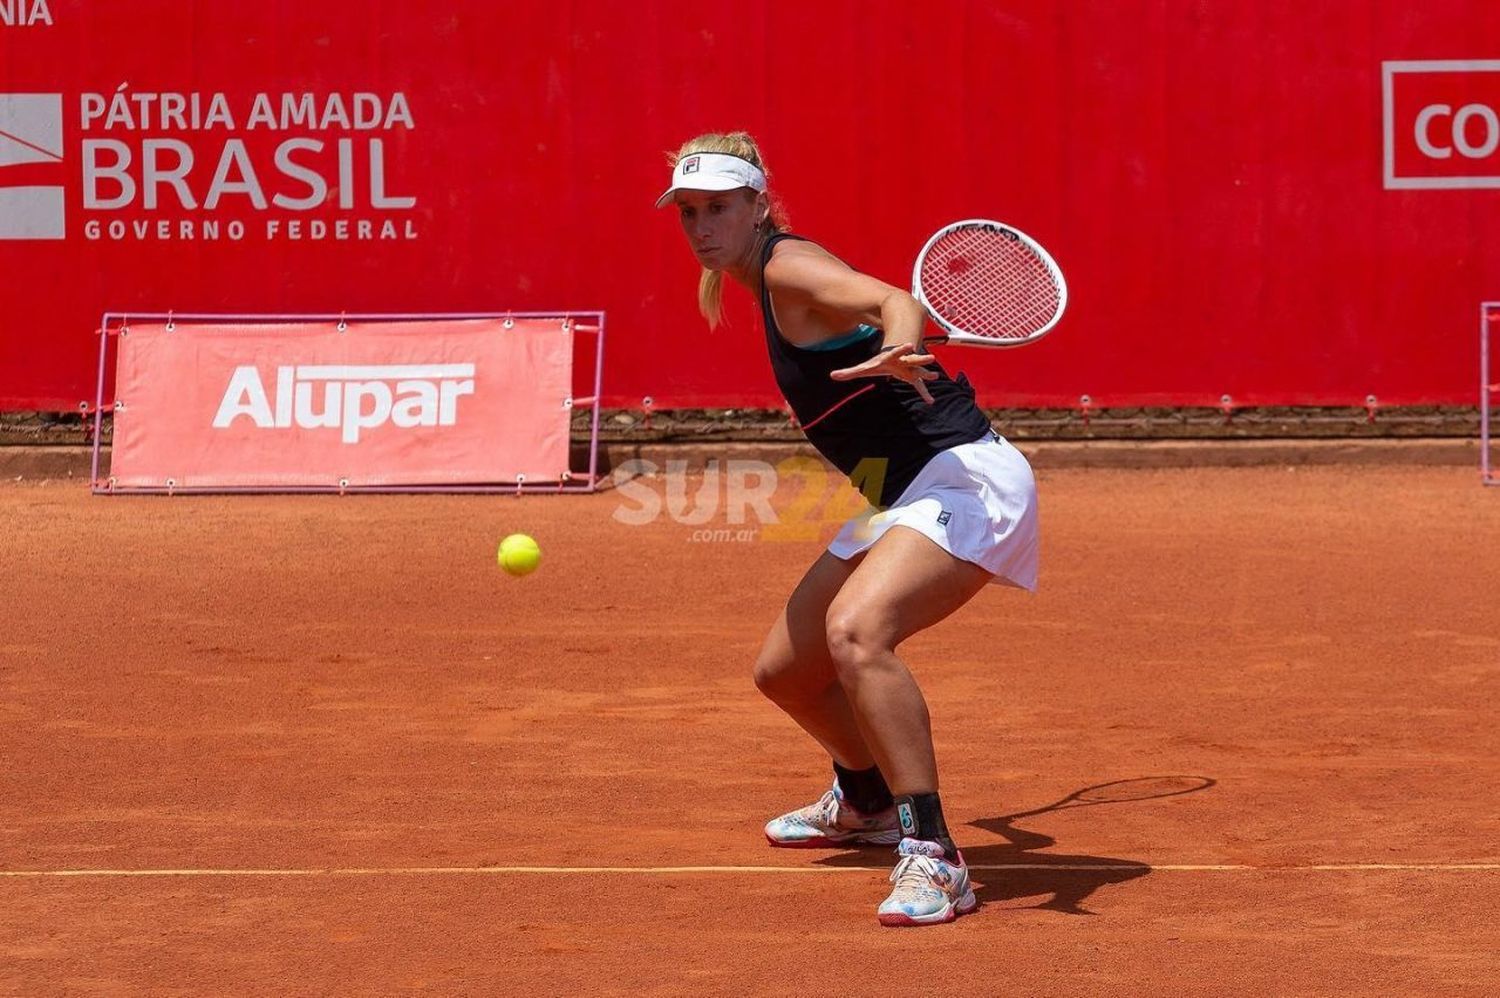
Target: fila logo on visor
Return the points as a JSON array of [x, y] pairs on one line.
[[690, 166]]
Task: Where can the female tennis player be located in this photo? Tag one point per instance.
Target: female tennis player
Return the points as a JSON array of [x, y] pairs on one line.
[[957, 511]]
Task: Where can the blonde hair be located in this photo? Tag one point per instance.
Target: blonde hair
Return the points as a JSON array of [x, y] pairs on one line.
[[711, 282]]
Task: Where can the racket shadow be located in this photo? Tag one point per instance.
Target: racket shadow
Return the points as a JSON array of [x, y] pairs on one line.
[[1055, 876], [1063, 881]]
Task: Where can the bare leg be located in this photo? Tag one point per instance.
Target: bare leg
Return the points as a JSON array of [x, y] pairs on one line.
[[794, 669], [904, 584]]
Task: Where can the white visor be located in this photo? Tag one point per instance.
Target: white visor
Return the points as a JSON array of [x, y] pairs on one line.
[[713, 171]]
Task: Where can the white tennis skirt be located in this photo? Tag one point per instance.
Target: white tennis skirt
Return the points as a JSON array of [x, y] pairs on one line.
[[976, 501]]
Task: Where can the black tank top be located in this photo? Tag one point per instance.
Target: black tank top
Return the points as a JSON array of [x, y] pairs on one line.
[[878, 431]]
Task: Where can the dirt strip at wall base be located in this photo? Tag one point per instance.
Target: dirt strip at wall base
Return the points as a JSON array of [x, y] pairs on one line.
[[60, 462]]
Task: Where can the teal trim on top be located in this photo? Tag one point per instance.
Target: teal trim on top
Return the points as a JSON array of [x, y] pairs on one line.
[[859, 332]]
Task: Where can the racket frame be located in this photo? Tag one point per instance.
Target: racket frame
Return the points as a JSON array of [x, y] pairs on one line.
[[961, 337]]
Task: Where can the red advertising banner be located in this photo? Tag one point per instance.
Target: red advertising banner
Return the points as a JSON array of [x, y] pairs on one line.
[[1442, 124], [333, 405], [1273, 200]]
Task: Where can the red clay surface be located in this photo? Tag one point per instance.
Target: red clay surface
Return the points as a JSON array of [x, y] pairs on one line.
[[299, 684]]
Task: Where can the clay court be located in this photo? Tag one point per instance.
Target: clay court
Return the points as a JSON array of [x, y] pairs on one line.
[[324, 742]]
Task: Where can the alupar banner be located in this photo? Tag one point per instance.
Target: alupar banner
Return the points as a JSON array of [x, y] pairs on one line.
[[333, 404]]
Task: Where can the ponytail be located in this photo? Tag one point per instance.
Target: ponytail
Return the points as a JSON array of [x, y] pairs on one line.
[[710, 296]]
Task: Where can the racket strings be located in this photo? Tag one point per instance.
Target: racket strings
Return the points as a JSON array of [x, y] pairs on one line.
[[988, 284]]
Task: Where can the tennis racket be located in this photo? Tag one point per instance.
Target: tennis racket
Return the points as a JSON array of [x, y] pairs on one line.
[[987, 284]]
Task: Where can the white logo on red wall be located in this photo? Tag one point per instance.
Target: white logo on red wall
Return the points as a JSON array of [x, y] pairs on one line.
[[31, 164], [204, 167], [1441, 121], [25, 14]]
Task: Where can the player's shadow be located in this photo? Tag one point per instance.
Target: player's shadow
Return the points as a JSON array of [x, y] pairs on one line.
[[1063, 881]]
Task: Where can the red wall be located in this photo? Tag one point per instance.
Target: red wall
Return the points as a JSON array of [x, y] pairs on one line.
[[1207, 172]]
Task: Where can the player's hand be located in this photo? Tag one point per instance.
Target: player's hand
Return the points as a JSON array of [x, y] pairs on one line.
[[902, 361]]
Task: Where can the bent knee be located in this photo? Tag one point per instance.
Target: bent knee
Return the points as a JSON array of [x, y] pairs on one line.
[[783, 680], [854, 641], [769, 676]]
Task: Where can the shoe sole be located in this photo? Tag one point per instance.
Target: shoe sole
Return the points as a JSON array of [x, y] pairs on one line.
[[948, 913], [824, 842]]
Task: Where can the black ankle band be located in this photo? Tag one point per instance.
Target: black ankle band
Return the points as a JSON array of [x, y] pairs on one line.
[[921, 817], [864, 789]]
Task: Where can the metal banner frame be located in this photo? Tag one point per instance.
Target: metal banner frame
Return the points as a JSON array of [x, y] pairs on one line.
[[1489, 313], [587, 322]]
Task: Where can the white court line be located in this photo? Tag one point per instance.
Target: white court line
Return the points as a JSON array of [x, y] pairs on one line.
[[670, 870]]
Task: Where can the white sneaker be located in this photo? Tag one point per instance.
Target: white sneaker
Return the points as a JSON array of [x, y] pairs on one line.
[[930, 888], [832, 821]]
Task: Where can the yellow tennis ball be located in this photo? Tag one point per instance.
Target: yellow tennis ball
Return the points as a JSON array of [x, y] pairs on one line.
[[519, 554]]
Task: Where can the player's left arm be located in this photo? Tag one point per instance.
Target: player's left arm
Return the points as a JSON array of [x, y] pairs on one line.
[[828, 284]]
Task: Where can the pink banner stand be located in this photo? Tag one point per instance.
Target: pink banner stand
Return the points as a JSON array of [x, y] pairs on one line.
[[348, 402], [1489, 318]]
